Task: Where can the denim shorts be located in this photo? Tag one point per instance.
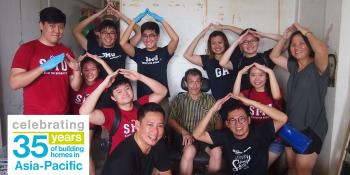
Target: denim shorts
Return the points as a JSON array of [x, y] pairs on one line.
[[276, 147]]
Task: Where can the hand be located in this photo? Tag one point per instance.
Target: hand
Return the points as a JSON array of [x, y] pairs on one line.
[[256, 34], [73, 63], [131, 75], [244, 100], [301, 28], [205, 30], [141, 15], [95, 57], [156, 16], [218, 104], [110, 78], [263, 67], [242, 37], [52, 62], [217, 26], [187, 139], [288, 32], [245, 69]]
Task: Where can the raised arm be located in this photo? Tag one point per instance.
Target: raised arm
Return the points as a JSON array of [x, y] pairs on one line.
[[200, 132], [279, 118], [174, 38], [80, 27], [75, 80], [126, 46], [88, 107], [159, 90], [319, 47], [272, 36], [275, 89], [102, 62], [225, 59], [276, 53], [134, 40], [189, 53], [237, 85], [233, 29]]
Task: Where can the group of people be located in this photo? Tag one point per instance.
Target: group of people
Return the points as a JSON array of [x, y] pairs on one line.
[[237, 123]]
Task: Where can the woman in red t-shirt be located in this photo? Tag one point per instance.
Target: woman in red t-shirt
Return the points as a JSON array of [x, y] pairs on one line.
[[264, 89]]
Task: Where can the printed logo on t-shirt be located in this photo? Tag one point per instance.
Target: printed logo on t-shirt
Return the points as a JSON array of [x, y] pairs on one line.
[[110, 56], [60, 69], [129, 128], [154, 60], [257, 114], [80, 98], [241, 159], [220, 72]]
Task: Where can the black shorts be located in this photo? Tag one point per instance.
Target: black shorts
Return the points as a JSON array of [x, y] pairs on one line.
[[316, 144]]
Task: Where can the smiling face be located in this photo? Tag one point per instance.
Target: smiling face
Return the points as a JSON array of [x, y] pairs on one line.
[[217, 45], [257, 78], [151, 127], [51, 33], [90, 72], [298, 47], [238, 123], [108, 37], [123, 94], [249, 45], [150, 39]]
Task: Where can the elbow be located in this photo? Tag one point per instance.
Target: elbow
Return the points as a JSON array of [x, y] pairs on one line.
[[284, 118], [14, 85], [164, 92]]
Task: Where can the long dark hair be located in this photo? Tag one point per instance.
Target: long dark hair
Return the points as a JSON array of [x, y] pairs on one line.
[[307, 42], [267, 87], [212, 35]]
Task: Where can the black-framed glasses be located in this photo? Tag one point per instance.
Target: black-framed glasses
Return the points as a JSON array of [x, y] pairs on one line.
[[240, 120], [152, 36], [109, 33], [251, 42]]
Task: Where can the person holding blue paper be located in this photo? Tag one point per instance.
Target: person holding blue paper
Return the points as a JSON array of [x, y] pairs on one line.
[[245, 147], [306, 91], [45, 68], [152, 61]]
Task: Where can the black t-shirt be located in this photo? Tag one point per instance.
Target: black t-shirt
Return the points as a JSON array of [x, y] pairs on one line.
[[152, 64], [128, 159], [220, 79], [247, 156], [242, 61], [114, 57]]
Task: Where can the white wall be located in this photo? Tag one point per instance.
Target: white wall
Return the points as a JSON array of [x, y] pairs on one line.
[[189, 17]]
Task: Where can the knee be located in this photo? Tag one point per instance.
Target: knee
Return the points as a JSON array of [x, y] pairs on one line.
[[189, 152], [215, 153]]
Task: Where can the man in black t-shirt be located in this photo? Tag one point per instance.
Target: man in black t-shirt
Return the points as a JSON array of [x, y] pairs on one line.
[[245, 148], [145, 152]]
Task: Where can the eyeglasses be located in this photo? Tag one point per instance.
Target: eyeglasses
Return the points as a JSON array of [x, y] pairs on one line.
[[151, 36], [251, 42], [241, 120], [109, 33]]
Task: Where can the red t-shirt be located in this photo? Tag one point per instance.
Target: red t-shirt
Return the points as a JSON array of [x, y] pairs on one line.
[[256, 114], [78, 97], [127, 122], [48, 94]]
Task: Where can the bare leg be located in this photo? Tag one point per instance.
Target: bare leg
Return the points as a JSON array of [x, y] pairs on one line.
[[215, 159], [186, 162], [291, 161], [305, 163], [272, 158]]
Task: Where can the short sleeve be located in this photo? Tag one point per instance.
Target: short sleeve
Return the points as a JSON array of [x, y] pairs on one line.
[[205, 59], [267, 59], [174, 108], [22, 57], [161, 156], [143, 100], [109, 117], [292, 65], [138, 54], [218, 137]]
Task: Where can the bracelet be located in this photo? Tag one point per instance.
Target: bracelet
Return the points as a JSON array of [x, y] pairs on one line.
[[307, 33]]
